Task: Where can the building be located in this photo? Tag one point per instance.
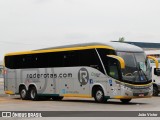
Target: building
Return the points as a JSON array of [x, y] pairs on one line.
[[151, 49], [145, 46]]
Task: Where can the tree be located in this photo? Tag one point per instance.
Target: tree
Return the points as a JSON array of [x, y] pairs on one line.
[[121, 39]]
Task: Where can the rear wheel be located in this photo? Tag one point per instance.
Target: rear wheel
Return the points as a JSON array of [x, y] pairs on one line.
[[155, 91], [99, 95], [23, 93], [125, 100], [33, 93]]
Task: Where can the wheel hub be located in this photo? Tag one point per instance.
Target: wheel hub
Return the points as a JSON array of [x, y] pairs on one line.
[[23, 93], [99, 95]]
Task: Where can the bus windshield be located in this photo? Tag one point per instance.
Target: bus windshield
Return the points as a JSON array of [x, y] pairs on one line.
[[135, 67]]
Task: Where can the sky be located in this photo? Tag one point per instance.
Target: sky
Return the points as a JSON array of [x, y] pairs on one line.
[[34, 24]]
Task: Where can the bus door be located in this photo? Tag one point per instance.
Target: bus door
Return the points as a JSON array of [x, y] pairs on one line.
[[112, 69]]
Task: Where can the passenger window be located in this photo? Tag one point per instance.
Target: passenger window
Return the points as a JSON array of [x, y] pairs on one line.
[[70, 59]]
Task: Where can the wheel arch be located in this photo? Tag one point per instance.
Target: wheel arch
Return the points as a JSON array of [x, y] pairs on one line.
[[155, 85], [22, 85], [32, 85], [96, 86]]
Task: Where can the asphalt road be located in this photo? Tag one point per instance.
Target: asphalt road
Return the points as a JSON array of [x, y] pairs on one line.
[[14, 103]]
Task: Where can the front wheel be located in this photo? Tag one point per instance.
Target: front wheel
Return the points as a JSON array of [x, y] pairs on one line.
[[99, 95], [125, 100], [33, 93]]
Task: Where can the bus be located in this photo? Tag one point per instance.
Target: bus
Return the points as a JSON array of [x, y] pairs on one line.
[[155, 76], [92, 70]]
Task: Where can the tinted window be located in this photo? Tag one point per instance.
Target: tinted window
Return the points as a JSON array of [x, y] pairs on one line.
[[104, 52], [90, 58], [70, 59], [55, 59], [111, 65]]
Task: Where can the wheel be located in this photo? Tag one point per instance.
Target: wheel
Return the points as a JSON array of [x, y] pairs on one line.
[[99, 95], [57, 98], [155, 91], [23, 93], [33, 93], [125, 100]]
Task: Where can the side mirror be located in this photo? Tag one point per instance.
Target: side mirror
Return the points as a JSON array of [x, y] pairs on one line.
[[121, 60], [157, 71], [156, 61]]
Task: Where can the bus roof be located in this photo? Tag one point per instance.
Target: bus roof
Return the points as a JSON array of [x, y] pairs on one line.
[[114, 45], [110, 45], [124, 47]]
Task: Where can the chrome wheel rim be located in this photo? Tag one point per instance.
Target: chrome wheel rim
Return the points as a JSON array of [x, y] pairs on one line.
[[33, 94], [99, 95], [23, 93]]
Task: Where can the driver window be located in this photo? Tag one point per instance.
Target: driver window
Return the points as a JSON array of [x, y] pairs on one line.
[[112, 68]]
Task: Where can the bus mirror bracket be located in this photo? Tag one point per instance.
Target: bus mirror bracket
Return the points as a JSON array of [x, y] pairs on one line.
[[156, 61], [120, 59]]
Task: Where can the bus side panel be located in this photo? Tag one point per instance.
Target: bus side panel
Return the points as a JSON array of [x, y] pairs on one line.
[[10, 80], [28, 76], [114, 88], [37, 77], [86, 78], [78, 81], [64, 80], [82, 82], [49, 84]]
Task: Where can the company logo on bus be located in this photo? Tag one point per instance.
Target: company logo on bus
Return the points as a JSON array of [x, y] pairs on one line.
[[83, 76]]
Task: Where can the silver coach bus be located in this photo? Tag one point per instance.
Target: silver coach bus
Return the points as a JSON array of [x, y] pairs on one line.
[[103, 71]]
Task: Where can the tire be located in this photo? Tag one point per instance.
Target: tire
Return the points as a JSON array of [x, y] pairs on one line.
[[23, 93], [99, 95], [125, 100], [57, 98], [155, 91], [33, 93]]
